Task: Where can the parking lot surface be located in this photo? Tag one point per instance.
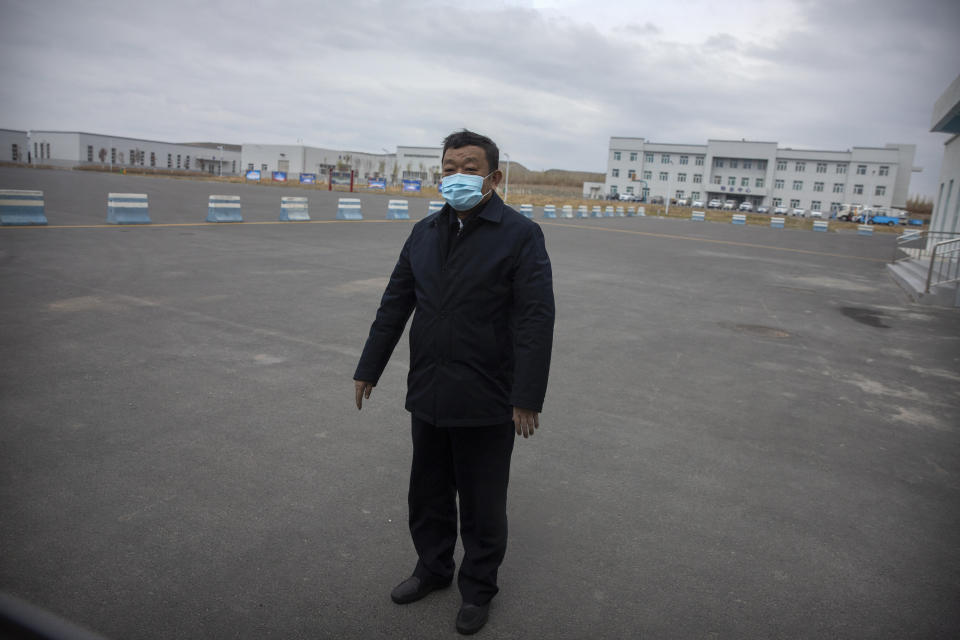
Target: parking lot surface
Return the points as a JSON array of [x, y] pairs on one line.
[[748, 433]]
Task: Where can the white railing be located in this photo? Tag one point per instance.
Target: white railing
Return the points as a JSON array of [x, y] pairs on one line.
[[944, 263]]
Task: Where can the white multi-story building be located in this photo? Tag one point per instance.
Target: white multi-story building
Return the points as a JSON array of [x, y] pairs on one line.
[[946, 119], [760, 173], [76, 148]]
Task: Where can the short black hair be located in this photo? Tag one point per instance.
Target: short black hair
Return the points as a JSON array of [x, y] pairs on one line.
[[466, 138]]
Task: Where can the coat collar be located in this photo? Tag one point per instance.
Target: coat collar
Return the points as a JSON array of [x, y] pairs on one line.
[[492, 212]]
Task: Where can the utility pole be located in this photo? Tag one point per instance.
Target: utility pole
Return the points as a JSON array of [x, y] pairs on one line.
[[220, 147]]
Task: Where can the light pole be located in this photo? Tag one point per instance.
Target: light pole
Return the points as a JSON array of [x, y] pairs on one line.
[[506, 188], [220, 147]]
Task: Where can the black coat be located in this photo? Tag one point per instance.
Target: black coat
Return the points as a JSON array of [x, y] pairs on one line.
[[482, 329]]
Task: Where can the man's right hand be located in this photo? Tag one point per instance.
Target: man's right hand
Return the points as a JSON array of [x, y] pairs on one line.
[[363, 390]]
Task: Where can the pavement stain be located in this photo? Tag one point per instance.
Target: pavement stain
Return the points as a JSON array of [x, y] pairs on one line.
[[919, 419], [370, 285]]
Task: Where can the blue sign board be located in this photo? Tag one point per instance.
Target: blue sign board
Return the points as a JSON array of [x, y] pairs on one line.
[[253, 174], [308, 178], [411, 185], [377, 183], [279, 176]]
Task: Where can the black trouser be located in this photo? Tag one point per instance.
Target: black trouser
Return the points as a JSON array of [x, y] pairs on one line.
[[472, 463]]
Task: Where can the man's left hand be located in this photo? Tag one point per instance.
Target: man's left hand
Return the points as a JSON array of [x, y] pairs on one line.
[[525, 421]]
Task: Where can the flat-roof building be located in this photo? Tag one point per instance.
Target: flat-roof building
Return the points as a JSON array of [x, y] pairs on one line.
[[946, 119], [761, 173], [77, 148]]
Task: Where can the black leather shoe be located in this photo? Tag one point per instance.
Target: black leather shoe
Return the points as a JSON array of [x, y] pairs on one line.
[[472, 617], [414, 588]]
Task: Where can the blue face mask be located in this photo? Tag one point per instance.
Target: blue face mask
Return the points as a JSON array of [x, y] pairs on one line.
[[463, 191]]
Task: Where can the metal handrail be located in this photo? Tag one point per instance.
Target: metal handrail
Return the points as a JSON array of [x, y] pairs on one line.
[[919, 239], [949, 251]]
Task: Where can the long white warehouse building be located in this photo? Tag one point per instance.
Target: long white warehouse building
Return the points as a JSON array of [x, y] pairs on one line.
[[761, 173]]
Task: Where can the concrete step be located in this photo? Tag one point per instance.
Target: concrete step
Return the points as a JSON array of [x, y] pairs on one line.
[[911, 275]]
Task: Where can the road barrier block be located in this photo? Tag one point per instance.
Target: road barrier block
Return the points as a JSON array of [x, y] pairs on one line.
[[698, 216], [864, 230], [527, 210], [398, 210], [19, 207], [567, 211], [595, 212], [294, 209], [435, 205], [225, 209], [550, 211], [777, 222], [349, 209], [819, 225], [608, 211], [128, 208], [620, 213], [739, 218], [631, 211], [641, 212], [582, 211]]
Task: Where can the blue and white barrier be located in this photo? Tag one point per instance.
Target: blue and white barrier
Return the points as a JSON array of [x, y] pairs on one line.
[[398, 210], [620, 213], [819, 225], [18, 207], [739, 218], [527, 210], [128, 208], [864, 230], [608, 211], [776, 222], [349, 209], [435, 205], [595, 212], [294, 209], [582, 211], [631, 211], [567, 211], [698, 216], [224, 209], [550, 211], [641, 212]]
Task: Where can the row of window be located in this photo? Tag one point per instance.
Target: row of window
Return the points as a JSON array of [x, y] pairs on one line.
[[735, 163], [664, 175], [664, 158], [799, 167], [744, 182]]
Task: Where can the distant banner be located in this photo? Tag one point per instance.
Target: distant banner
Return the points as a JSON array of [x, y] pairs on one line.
[[279, 176], [253, 174], [377, 183], [411, 185], [308, 178], [340, 178]]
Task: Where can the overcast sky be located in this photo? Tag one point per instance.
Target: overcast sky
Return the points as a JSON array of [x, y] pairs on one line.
[[549, 80]]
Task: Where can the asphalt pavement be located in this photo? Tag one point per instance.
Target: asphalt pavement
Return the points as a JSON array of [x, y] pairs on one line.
[[748, 433]]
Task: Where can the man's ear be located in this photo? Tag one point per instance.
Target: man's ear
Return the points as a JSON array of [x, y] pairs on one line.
[[496, 178]]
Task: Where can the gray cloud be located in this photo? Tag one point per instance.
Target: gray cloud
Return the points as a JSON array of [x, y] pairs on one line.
[[549, 87]]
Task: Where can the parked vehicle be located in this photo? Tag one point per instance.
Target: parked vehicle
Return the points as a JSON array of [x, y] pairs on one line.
[[816, 214], [887, 220], [628, 197], [656, 200], [729, 205], [681, 202], [763, 209], [849, 212], [799, 213], [780, 211], [745, 206], [714, 204], [697, 203], [915, 222]]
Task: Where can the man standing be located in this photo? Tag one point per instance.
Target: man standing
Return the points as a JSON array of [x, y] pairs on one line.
[[477, 278]]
